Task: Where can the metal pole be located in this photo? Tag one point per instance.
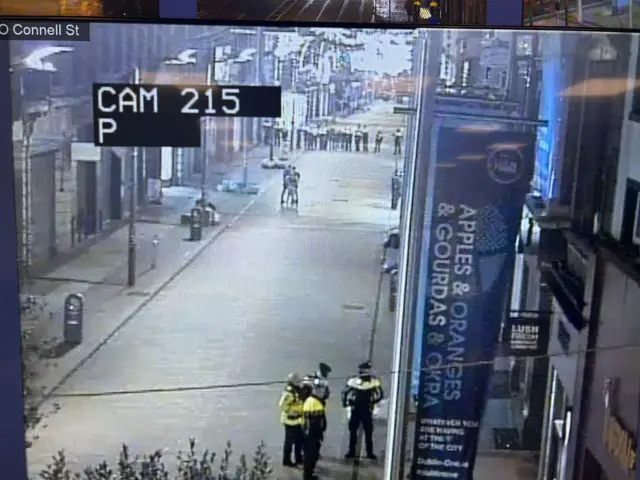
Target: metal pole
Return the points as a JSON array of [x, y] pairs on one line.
[[27, 133], [630, 13], [294, 74], [245, 160], [133, 173], [205, 139], [413, 213]]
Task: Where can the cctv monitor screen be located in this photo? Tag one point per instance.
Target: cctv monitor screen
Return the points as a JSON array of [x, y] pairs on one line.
[[240, 238]]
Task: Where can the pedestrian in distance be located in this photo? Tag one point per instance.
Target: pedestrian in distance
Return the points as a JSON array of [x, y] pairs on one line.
[[360, 396], [397, 142], [378, 142], [349, 142], [315, 425], [293, 181], [292, 417], [358, 137], [408, 6], [315, 137], [286, 173], [365, 139], [322, 135]]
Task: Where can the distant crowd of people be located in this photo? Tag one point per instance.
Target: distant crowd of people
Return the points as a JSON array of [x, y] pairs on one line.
[[344, 138]]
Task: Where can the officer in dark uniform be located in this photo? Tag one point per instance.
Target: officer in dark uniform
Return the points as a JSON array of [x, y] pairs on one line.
[[360, 395], [315, 424]]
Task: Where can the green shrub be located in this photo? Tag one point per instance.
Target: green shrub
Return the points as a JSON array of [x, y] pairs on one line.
[[191, 465]]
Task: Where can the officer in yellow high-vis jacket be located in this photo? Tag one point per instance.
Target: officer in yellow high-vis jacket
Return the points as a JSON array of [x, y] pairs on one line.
[[314, 428], [292, 417]]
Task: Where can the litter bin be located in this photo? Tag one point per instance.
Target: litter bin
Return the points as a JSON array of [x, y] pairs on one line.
[[73, 318], [195, 227]]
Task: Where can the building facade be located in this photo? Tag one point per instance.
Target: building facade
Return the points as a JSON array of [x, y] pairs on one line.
[[557, 272], [611, 389], [67, 188], [562, 268]]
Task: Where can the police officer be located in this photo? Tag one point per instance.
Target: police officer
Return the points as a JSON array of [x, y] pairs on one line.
[[319, 381], [360, 395], [292, 417], [315, 424]]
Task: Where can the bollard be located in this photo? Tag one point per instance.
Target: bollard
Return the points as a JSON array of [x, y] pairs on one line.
[[195, 228], [73, 319], [154, 258]]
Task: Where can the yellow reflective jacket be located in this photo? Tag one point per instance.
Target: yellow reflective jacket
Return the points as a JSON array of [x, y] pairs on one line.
[[291, 407], [315, 419]]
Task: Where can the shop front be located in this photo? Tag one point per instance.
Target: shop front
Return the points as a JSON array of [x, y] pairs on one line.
[[610, 427], [540, 242], [565, 343]]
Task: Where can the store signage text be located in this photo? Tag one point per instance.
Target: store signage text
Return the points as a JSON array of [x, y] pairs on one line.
[[619, 442], [526, 333]]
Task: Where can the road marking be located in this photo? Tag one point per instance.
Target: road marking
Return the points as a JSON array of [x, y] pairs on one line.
[[51, 391]]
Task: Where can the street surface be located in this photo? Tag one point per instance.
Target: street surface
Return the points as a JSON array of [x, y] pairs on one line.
[[278, 291], [358, 11]]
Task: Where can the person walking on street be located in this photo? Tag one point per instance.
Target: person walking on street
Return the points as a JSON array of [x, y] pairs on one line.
[[360, 396], [315, 424], [293, 182], [286, 174], [292, 417], [397, 142], [378, 143]]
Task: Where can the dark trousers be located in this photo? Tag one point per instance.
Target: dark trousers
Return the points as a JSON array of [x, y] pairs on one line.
[[378, 146], [396, 148], [311, 454], [293, 440], [284, 192], [366, 421]]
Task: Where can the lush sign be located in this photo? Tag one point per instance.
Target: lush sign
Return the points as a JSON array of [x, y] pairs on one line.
[[480, 183]]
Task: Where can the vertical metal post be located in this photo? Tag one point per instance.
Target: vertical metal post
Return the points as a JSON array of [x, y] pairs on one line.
[[206, 122], [413, 215], [245, 160], [133, 184], [27, 134], [630, 12], [294, 75]]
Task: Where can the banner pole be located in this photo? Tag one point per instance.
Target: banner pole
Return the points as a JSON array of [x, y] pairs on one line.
[[412, 226]]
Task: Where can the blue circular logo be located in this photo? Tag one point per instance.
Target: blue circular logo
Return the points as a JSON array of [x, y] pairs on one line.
[[505, 165]]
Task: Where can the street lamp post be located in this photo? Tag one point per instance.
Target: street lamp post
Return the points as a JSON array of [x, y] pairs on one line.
[[133, 183], [210, 79]]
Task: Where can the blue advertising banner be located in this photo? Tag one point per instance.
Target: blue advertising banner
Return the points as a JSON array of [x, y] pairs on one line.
[[480, 182]]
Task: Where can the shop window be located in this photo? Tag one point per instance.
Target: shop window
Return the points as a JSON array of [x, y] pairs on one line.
[[636, 223], [634, 115], [630, 231]]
